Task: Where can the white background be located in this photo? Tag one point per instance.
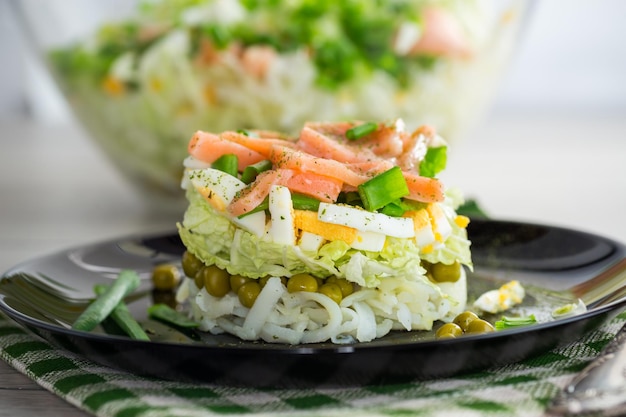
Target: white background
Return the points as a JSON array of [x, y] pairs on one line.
[[573, 55]]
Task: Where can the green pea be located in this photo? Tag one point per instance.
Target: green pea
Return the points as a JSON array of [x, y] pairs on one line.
[[449, 330], [464, 319], [216, 281], [302, 282], [191, 264], [198, 279], [236, 281], [479, 326], [446, 273], [332, 291], [248, 293], [165, 277], [320, 281], [346, 286], [164, 297]]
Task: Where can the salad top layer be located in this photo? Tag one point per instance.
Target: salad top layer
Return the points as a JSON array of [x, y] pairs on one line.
[[345, 39], [352, 199]]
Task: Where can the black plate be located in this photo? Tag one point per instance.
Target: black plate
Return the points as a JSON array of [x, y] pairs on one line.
[[555, 265]]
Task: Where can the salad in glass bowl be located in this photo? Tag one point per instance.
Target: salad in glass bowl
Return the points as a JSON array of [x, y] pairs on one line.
[[141, 76]]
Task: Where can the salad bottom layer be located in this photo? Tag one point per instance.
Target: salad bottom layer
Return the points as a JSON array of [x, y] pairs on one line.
[[279, 316]]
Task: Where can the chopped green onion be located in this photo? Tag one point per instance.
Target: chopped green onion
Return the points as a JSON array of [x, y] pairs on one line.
[[359, 131], [219, 35], [393, 209], [398, 207], [410, 205], [510, 322], [167, 314], [227, 163], [126, 282], [122, 317], [383, 189], [351, 198], [251, 171], [304, 202], [434, 161], [299, 201]]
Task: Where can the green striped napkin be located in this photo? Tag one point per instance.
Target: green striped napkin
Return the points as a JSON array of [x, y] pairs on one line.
[[520, 389]]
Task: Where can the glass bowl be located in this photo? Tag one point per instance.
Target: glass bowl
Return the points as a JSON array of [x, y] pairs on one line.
[[143, 76]]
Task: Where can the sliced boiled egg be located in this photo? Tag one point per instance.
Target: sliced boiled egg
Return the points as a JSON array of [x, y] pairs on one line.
[[310, 241], [307, 221], [281, 229], [192, 163], [253, 223], [366, 221], [424, 235], [309, 224], [502, 299], [217, 187], [368, 241], [440, 225]]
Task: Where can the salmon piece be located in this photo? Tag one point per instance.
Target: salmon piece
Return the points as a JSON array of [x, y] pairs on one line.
[[386, 142], [285, 157], [257, 60], [335, 129], [321, 187], [323, 146], [415, 147], [443, 36], [424, 189], [208, 54], [317, 186], [347, 188], [426, 132], [208, 147], [371, 168], [254, 194], [260, 145]]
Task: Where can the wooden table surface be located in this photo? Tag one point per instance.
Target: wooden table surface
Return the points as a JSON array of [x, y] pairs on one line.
[[58, 191]]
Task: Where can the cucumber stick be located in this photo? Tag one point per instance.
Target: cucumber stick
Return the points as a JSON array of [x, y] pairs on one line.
[[126, 282], [121, 315]]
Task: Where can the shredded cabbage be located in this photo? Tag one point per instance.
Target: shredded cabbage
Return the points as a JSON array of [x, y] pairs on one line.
[[214, 239]]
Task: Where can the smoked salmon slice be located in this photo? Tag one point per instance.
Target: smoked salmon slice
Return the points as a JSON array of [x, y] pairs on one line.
[[424, 189], [262, 145], [285, 157], [208, 147]]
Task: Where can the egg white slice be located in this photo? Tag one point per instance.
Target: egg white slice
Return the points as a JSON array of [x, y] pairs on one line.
[[282, 228], [310, 241], [217, 187], [368, 241], [253, 223], [502, 299], [440, 223], [366, 221]]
